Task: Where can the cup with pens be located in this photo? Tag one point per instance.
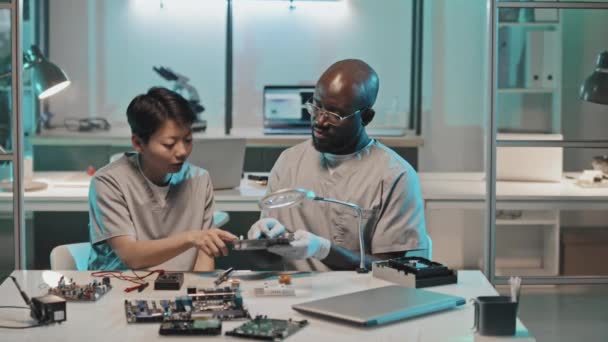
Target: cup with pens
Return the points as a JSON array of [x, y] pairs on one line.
[[497, 315]]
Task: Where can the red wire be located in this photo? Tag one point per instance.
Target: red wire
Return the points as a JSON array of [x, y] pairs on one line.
[[137, 279]]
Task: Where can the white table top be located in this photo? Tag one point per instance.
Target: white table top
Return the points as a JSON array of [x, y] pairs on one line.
[[467, 190], [105, 319], [68, 191]]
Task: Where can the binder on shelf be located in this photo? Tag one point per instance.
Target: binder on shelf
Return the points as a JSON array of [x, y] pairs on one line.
[[549, 74], [540, 59], [534, 59]]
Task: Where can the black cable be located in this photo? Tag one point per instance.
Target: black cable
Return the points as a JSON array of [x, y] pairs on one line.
[[22, 327], [17, 327]]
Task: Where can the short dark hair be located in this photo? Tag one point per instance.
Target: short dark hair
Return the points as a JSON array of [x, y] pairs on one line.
[[147, 112]]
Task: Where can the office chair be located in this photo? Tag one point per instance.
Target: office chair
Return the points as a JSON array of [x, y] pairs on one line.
[[74, 256]]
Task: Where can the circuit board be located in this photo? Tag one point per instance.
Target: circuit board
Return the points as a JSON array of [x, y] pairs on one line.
[[191, 327], [279, 290], [261, 244], [84, 293], [223, 303], [264, 328], [147, 311], [215, 295], [220, 303]]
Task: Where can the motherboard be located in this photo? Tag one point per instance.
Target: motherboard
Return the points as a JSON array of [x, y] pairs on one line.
[[264, 328], [87, 293]]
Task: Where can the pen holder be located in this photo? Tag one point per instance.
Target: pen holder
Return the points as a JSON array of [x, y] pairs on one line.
[[495, 315]]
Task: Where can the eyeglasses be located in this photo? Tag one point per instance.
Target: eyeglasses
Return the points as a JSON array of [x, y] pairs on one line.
[[86, 125], [331, 117]]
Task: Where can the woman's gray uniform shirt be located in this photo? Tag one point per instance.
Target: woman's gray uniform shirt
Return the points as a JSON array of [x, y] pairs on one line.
[[377, 179], [121, 202]]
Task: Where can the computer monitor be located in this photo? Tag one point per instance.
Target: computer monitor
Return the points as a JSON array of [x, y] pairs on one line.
[[284, 111]]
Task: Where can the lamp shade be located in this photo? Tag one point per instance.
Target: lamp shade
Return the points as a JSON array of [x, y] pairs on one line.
[[595, 87], [47, 78]]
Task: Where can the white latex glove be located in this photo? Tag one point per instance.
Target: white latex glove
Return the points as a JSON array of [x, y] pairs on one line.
[[266, 227], [305, 245]]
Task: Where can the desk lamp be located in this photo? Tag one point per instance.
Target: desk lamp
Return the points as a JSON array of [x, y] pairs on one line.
[[595, 87], [47, 78], [292, 197]]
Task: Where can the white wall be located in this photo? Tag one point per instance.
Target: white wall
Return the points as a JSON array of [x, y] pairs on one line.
[[278, 46], [108, 49]]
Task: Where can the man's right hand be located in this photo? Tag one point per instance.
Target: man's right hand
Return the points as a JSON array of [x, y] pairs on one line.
[[266, 227], [211, 241]]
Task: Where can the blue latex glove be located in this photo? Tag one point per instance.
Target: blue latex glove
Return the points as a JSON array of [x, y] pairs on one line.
[[266, 227], [305, 245]]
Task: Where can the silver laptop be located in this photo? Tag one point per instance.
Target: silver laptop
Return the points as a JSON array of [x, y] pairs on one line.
[[223, 158], [380, 305]]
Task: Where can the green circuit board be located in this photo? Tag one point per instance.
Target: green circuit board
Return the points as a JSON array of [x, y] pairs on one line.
[[264, 328]]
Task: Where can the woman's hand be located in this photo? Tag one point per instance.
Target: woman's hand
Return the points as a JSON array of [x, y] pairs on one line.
[[211, 241]]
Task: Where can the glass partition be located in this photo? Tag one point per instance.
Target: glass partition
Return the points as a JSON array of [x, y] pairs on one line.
[[451, 164], [7, 261], [5, 79], [550, 182]]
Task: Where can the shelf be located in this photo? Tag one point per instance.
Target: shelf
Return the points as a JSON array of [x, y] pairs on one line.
[[525, 266], [549, 24], [531, 218], [539, 272], [526, 90]]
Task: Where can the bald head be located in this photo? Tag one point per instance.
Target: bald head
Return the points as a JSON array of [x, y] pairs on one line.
[[348, 90], [352, 78]]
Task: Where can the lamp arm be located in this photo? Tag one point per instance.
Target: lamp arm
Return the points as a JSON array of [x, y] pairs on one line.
[[26, 65], [362, 268], [28, 61]]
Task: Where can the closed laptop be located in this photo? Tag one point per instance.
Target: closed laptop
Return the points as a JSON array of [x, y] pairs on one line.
[[380, 305], [223, 158]]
